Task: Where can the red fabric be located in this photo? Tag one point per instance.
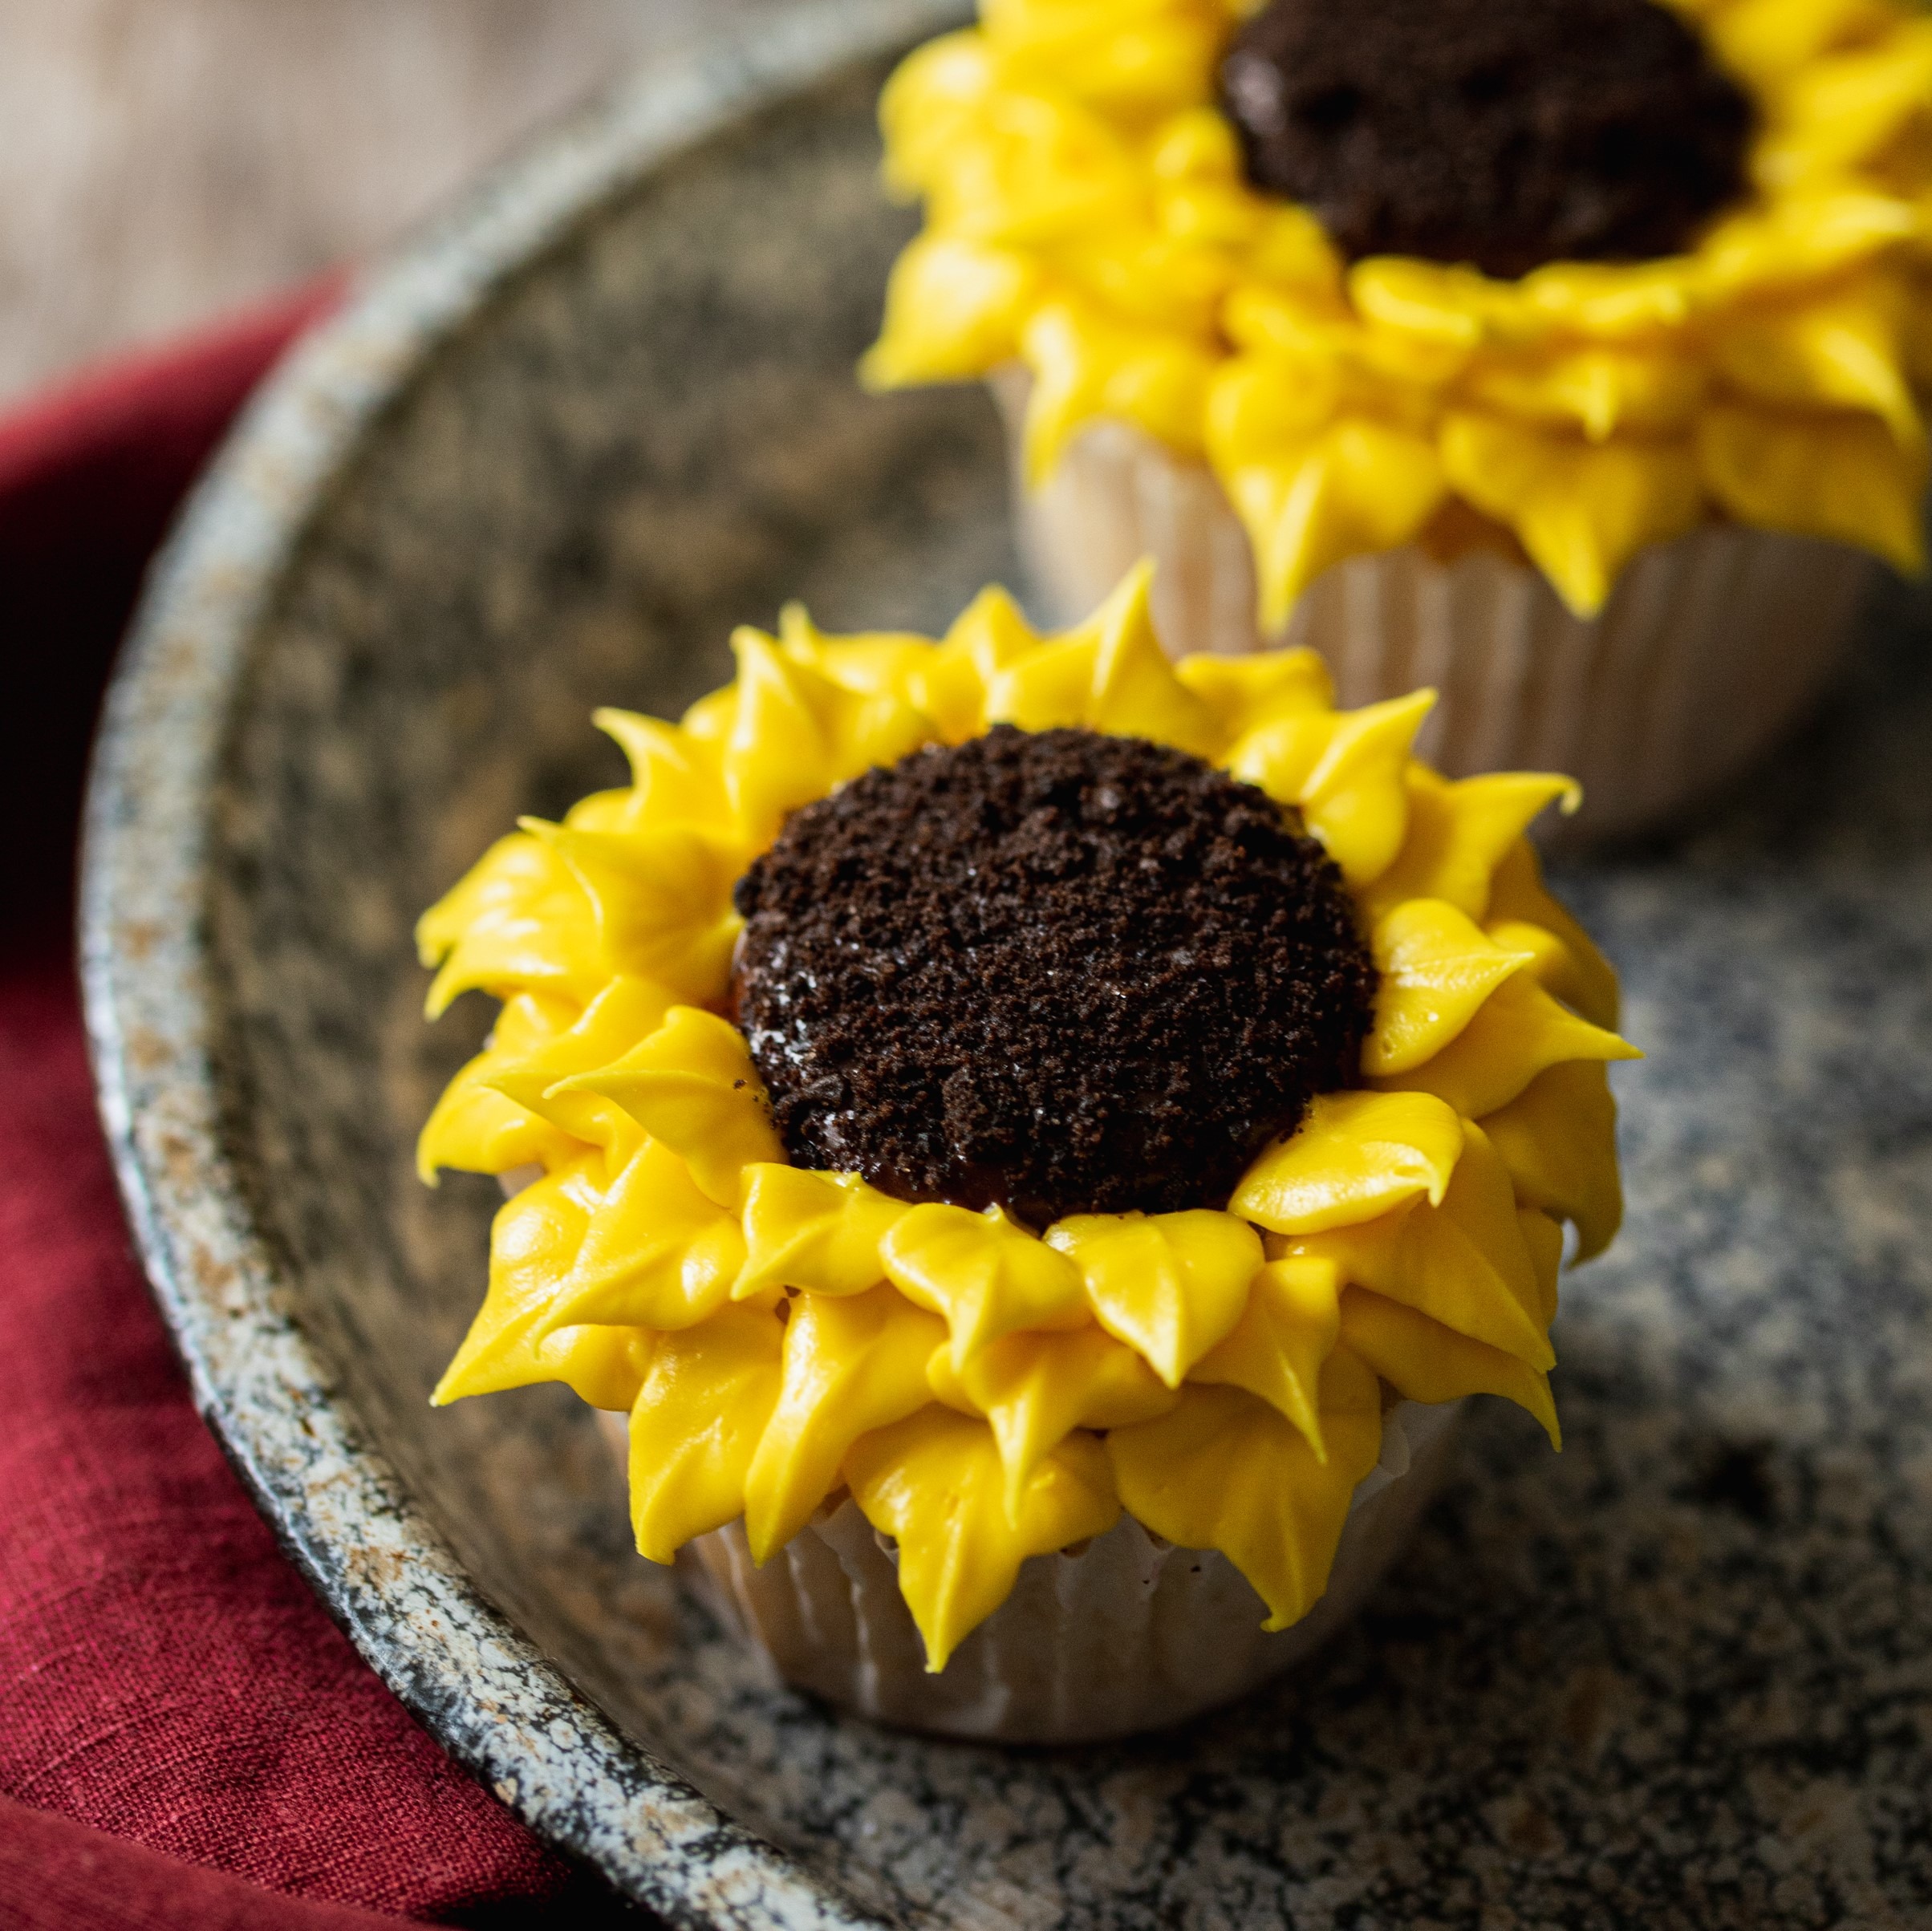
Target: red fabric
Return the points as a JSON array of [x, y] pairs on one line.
[[56, 1875], [90, 475], [165, 1676]]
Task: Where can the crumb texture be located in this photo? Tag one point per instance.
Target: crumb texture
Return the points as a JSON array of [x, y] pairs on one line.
[[1504, 133], [1060, 972]]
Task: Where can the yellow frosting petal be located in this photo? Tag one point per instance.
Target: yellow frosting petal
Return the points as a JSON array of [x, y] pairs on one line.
[[1558, 1139], [1109, 675], [1520, 1031], [1550, 959], [1437, 301], [1290, 248], [1279, 754], [851, 1366], [1169, 1285], [1206, 217], [655, 1252], [1346, 772], [1462, 1263], [987, 1276], [692, 1086], [1817, 474], [474, 1128], [1035, 1389], [1846, 352], [1198, 144], [1225, 1471], [1597, 391], [624, 1012], [1807, 237], [706, 1399], [675, 779], [602, 811], [661, 897], [1287, 1331], [1437, 967], [1581, 509], [1346, 365], [1767, 39], [533, 1242], [1843, 109], [1133, 691], [936, 1484], [1086, 367], [1543, 1239], [871, 663], [820, 1232], [1423, 1360], [1355, 1156], [954, 309], [1458, 834], [796, 733], [528, 1021], [1136, 57], [710, 720], [950, 687], [1242, 692], [1355, 802], [1161, 277], [1598, 301], [1587, 981], [1047, 689], [933, 96], [1360, 483], [1271, 402], [518, 920], [1042, 172]]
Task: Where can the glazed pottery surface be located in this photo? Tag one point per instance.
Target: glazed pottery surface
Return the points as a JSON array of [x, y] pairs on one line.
[[1680, 1674]]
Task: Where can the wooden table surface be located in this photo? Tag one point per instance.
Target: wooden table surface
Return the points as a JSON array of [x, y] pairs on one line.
[[162, 160]]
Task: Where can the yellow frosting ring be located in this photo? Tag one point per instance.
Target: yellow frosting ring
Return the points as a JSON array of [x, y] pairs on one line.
[[1087, 216], [984, 1390]]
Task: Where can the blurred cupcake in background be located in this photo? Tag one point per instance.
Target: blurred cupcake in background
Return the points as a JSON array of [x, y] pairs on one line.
[[1565, 355]]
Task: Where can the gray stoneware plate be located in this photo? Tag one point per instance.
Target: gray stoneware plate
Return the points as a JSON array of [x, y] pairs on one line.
[[1679, 1675]]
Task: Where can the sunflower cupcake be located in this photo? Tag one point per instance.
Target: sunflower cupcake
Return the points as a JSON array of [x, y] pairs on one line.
[[1566, 354], [1034, 1141]]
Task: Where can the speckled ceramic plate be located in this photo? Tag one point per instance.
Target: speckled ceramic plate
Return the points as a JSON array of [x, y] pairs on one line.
[[1680, 1675]]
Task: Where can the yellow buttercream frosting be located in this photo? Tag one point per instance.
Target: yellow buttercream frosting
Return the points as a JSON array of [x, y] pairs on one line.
[[986, 1391], [1087, 216]]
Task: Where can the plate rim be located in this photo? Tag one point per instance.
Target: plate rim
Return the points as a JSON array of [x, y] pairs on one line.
[[337, 1505]]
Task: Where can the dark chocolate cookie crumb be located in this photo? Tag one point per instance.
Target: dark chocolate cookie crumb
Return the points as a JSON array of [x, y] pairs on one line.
[[1506, 133], [1063, 973]]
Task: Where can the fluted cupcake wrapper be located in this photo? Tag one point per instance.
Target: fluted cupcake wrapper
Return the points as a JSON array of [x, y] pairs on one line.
[[1709, 647], [1129, 1633]]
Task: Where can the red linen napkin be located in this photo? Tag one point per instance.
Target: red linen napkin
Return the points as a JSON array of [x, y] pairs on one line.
[[172, 1694], [90, 475], [57, 1875]]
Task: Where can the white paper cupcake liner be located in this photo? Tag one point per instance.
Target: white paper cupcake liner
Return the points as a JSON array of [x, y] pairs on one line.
[[1129, 1634], [1709, 650]]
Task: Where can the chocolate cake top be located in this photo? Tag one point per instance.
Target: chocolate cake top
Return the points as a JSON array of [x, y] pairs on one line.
[[1506, 133], [1063, 973]]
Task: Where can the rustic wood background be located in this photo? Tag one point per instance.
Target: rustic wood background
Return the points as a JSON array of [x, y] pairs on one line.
[[162, 160]]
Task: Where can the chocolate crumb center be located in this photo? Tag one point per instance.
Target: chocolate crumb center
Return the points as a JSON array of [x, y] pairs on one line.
[[1060, 972], [1504, 133]]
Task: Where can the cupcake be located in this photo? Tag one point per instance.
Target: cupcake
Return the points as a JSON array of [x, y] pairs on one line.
[[1031, 1142], [1565, 354]]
